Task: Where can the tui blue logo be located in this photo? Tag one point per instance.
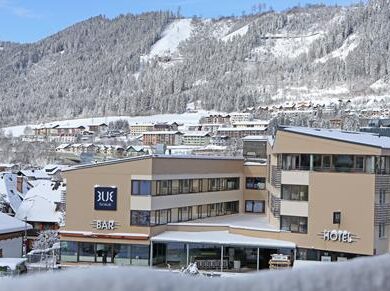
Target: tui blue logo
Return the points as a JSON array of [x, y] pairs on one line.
[[105, 198]]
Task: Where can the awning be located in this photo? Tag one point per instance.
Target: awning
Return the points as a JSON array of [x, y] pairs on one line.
[[221, 238]]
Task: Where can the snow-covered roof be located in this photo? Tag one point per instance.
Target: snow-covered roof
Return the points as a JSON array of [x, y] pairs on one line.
[[8, 190], [11, 263], [196, 133], [36, 174], [243, 221], [136, 148], [255, 138], [162, 132], [220, 238], [155, 156], [252, 122], [39, 204], [362, 138], [9, 224], [261, 128]]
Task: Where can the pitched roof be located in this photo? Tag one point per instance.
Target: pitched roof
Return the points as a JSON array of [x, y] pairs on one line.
[[9, 224]]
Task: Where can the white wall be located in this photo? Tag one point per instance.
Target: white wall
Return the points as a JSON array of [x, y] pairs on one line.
[[12, 248]]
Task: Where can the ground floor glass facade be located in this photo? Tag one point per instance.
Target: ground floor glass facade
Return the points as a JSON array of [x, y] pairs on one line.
[[120, 254]]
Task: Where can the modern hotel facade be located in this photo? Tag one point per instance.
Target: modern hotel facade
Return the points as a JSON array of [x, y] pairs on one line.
[[320, 195]]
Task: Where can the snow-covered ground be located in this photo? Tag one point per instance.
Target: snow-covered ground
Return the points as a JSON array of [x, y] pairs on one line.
[[342, 52], [177, 32], [186, 118], [239, 32]]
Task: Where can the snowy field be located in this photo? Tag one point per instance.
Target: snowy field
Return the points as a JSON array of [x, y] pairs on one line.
[[186, 118]]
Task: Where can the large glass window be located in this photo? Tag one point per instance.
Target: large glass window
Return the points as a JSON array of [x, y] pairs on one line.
[[86, 252], [343, 163], [294, 224], [140, 255], [141, 187], [255, 206], [104, 253], [140, 217], [69, 251], [295, 192], [121, 254], [196, 186], [256, 183]]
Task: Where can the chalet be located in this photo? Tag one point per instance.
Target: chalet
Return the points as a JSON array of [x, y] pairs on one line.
[[98, 128], [133, 151], [215, 119]]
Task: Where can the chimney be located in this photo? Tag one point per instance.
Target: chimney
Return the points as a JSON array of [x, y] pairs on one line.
[[19, 183]]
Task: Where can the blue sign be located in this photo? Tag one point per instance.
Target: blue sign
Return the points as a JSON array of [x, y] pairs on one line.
[[105, 198]]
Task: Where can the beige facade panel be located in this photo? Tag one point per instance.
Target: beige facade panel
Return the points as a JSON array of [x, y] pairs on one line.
[[201, 166], [295, 177], [173, 201], [294, 208]]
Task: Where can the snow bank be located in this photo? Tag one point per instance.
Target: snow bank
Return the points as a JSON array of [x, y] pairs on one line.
[[357, 275]]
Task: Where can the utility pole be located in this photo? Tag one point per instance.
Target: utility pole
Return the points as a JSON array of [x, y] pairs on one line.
[[25, 237]]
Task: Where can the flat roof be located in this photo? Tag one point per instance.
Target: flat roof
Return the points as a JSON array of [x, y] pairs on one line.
[[355, 137], [144, 157], [242, 220], [220, 238]]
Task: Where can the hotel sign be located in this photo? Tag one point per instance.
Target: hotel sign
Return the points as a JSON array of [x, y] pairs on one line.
[[105, 224], [105, 198], [338, 235]]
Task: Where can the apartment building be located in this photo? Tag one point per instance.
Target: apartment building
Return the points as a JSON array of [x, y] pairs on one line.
[[320, 195], [162, 137], [139, 129], [240, 132], [196, 138]]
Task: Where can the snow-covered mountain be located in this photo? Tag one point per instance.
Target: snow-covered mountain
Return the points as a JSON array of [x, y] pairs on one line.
[[157, 63]]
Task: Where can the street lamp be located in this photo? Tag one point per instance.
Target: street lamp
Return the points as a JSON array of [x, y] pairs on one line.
[[25, 237]]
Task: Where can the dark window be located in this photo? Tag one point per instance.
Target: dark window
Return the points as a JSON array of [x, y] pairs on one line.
[[257, 183], [141, 187], [233, 183], [164, 187], [184, 186], [140, 217], [295, 192], [293, 224], [255, 206]]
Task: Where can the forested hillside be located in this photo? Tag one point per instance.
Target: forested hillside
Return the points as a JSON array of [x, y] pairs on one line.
[[158, 62]]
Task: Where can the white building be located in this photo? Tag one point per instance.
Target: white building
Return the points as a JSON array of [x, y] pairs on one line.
[[11, 236]]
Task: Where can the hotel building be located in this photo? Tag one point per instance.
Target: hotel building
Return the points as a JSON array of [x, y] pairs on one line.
[[319, 195]]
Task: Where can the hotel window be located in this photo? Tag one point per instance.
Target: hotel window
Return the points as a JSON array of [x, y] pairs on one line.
[[256, 183], [140, 217], [326, 161], [294, 224], [213, 184], [185, 214], [382, 230], [196, 185], [359, 163], [382, 196], [233, 183], [175, 187], [255, 206], [141, 187], [211, 211], [164, 187], [295, 192], [184, 186]]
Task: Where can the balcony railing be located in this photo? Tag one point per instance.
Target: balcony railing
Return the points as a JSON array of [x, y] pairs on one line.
[[382, 213]]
